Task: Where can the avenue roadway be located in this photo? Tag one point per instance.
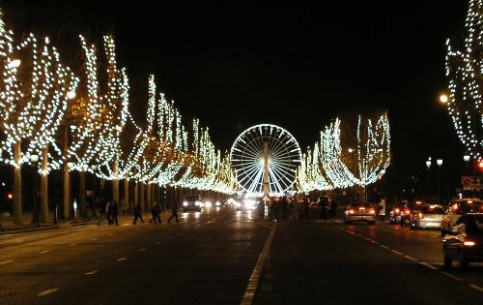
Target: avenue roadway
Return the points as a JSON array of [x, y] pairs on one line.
[[221, 256]]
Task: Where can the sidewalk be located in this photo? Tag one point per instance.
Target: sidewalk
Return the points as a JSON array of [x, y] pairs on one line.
[[8, 226]]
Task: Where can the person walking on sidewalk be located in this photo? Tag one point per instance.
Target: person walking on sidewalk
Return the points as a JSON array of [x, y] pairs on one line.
[[105, 212], [114, 212], [175, 212], [137, 214]]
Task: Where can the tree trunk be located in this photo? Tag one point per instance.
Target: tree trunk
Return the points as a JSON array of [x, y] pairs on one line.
[[115, 184], [17, 184], [126, 194], [136, 188], [141, 194], [148, 195], [82, 195], [44, 186], [66, 174]]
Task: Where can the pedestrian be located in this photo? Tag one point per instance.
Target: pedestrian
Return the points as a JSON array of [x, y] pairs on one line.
[[114, 212], [155, 211], [174, 212], [104, 212], [333, 209], [137, 214], [324, 208], [294, 206]]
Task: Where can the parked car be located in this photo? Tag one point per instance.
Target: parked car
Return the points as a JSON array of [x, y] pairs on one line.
[[360, 212], [464, 241], [456, 209], [429, 216], [192, 203]]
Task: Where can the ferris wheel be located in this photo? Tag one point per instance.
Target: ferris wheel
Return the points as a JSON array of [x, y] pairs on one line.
[[247, 158]]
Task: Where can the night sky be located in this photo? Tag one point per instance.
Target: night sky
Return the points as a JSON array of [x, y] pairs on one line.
[[286, 63]]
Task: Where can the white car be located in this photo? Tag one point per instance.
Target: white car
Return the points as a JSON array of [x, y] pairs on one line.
[[428, 217]]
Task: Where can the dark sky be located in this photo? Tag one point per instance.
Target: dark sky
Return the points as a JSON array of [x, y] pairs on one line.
[[292, 64]]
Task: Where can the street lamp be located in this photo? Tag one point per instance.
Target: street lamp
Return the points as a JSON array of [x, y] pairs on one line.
[[428, 165], [443, 98], [439, 162], [466, 158]]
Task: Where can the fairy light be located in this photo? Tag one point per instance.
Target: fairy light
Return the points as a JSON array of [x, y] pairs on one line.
[[464, 69], [33, 115]]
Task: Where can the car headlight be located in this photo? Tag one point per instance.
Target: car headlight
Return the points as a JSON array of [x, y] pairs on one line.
[[185, 203], [197, 203]]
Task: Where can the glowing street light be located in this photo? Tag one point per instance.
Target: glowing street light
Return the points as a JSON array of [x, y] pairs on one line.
[[443, 98]]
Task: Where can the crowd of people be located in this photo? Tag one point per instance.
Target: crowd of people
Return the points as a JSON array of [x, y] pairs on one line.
[[299, 208]]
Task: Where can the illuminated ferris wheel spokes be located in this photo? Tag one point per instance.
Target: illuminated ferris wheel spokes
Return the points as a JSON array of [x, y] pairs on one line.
[[247, 157]]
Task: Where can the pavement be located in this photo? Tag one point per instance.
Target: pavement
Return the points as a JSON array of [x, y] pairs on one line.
[[7, 225]]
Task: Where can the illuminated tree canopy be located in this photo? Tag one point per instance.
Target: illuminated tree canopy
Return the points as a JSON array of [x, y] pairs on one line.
[[464, 69]]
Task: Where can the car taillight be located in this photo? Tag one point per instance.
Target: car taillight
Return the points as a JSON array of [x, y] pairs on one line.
[[407, 212], [469, 243], [372, 212], [351, 211], [397, 211]]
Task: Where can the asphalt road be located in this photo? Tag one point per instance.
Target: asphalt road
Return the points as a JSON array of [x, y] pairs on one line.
[[228, 257]]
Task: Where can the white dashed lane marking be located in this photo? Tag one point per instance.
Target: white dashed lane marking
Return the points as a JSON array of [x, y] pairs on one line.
[[72, 245], [45, 252], [142, 250], [480, 289], [428, 265], [452, 276], [397, 252], [6, 262], [47, 292], [121, 259], [91, 272], [411, 258]]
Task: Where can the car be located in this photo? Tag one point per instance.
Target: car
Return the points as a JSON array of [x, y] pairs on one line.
[[464, 242], [192, 203], [360, 212], [429, 216], [458, 207], [395, 214], [247, 204], [408, 210]]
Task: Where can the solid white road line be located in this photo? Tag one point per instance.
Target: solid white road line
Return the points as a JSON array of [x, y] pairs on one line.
[[397, 252], [384, 247], [249, 295], [47, 292]]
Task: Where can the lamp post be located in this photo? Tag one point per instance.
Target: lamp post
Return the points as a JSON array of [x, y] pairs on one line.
[[428, 165], [466, 158], [439, 162]]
